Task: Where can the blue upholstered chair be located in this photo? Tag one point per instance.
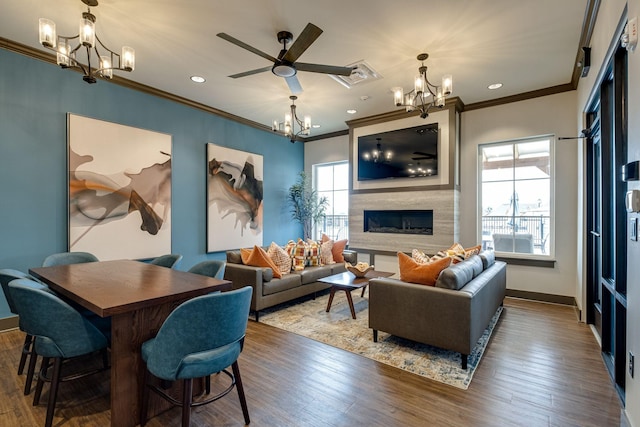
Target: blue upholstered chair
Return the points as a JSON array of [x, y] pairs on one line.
[[60, 332], [169, 260], [6, 276], [64, 258], [202, 336], [212, 268]]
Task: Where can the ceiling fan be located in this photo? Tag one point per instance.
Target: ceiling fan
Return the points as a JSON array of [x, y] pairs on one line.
[[285, 64]]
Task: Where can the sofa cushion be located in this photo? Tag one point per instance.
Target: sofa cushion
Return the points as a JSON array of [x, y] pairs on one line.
[[424, 274], [488, 258], [257, 257], [288, 281], [312, 274], [280, 258], [234, 257], [458, 275]]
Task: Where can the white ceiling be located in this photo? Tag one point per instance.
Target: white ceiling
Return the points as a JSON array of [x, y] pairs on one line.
[[524, 44]]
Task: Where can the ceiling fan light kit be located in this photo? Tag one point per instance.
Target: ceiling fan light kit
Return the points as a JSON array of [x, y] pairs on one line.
[[107, 60], [418, 97]]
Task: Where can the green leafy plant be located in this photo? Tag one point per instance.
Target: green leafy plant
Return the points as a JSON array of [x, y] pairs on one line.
[[306, 207]]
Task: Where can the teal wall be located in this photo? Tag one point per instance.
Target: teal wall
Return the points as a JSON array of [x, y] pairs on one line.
[[35, 97]]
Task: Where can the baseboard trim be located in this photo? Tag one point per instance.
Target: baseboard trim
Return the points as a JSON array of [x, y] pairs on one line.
[[8, 323], [537, 296]]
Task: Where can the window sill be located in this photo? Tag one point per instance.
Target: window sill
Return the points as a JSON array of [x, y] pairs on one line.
[[529, 262]]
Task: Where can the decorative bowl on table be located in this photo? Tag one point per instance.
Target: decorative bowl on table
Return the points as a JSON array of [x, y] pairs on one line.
[[360, 269]]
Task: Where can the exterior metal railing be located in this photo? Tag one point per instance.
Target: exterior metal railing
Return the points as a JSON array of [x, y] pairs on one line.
[[334, 226], [537, 226]]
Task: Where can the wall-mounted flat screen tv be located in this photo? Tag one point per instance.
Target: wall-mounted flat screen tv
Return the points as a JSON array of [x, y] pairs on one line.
[[402, 153]]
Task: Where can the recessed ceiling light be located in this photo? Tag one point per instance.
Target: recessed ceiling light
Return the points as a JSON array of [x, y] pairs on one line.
[[198, 79], [352, 111], [494, 86], [315, 126], [364, 97]]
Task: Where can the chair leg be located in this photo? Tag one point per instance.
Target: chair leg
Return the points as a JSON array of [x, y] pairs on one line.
[[144, 403], [187, 393], [43, 370], [53, 391], [26, 350], [207, 384], [33, 359], [240, 388]]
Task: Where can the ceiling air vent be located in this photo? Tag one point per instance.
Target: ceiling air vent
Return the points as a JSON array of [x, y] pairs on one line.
[[363, 73]]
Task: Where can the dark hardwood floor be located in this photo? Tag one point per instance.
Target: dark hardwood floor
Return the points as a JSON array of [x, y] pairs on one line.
[[541, 368]]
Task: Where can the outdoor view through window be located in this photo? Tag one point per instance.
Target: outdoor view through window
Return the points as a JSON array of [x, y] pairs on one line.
[[332, 182], [516, 196]]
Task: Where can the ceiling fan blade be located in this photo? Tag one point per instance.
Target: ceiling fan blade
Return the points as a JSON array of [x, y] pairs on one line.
[[294, 85], [326, 69], [243, 45], [251, 72], [302, 43]]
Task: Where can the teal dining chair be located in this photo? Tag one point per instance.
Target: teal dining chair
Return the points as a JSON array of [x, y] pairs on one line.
[[212, 268], [169, 260], [65, 258], [7, 275], [202, 336], [60, 333]]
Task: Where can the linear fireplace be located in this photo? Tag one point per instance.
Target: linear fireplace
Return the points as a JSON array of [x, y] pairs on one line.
[[399, 221]]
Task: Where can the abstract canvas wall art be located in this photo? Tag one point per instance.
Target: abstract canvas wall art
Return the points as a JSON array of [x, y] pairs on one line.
[[234, 201], [119, 190]]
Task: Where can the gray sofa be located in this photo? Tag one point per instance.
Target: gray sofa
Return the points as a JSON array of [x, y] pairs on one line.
[[452, 315], [269, 291]]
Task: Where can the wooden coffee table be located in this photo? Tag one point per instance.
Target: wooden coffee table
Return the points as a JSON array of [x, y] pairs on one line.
[[347, 282]]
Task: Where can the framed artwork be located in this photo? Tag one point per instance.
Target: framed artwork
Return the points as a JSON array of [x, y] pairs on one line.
[[234, 199], [119, 190]]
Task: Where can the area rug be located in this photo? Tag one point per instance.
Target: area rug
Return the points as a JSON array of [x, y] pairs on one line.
[[338, 329]]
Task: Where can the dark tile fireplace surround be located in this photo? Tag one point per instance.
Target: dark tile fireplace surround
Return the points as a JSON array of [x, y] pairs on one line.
[[399, 221]]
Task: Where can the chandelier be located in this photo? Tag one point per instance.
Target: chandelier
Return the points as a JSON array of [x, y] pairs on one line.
[[378, 155], [104, 59], [425, 95], [290, 120]]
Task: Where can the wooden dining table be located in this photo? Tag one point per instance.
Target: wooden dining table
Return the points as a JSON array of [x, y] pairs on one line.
[[138, 297]]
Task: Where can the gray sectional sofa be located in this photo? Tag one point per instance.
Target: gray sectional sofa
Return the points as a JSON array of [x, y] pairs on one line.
[[269, 291], [452, 315]]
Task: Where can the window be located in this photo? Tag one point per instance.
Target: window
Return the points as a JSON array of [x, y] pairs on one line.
[[331, 180], [516, 196]]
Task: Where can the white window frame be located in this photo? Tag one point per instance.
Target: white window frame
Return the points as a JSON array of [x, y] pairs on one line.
[[315, 187], [550, 255]]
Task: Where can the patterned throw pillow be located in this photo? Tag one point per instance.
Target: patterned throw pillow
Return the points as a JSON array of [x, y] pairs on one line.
[[326, 256], [419, 256], [469, 252], [298, 253], [423, 274], [280, 258], [313, 254]]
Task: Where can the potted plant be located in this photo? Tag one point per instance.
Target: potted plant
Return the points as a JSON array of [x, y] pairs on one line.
[[306, 207]]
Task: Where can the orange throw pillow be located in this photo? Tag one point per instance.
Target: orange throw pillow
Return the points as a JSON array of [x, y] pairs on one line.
[[423, 274], [257, 257], [337, 249]]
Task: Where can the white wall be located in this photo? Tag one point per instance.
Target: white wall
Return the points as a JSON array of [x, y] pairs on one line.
[[554, 114], [328, 150]]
